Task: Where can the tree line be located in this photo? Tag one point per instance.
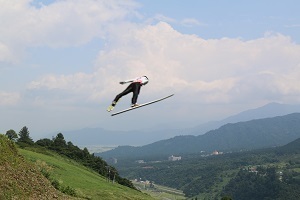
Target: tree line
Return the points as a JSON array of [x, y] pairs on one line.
[[68, 149]]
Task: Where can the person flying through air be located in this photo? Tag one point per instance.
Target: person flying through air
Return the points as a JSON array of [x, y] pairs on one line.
[[134, 87]]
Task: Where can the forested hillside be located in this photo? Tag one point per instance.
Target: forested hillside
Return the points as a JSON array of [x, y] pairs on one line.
[[272, 173], [248, 135]]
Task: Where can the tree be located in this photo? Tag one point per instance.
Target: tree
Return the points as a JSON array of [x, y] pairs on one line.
[[59, 144], [86, 152], [59, 141], [24, 136], [11, 134], [44, 142]]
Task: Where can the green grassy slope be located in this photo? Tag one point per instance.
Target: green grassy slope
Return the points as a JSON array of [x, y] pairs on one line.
[[86, 183], [21, 177]]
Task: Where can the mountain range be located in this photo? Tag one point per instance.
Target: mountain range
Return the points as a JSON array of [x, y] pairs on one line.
[[100, 136], [253, 134]]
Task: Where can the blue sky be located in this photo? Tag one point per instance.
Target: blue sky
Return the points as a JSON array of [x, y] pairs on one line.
[[61, 61], [217, 19]]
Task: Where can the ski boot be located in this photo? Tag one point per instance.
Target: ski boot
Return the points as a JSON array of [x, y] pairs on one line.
[[112, 106]]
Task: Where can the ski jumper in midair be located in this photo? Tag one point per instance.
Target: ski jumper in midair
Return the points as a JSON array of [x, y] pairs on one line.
[[134, 87]]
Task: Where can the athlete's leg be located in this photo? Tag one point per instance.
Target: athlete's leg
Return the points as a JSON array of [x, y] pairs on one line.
[[136, 87], [117, 98], [125, 92]]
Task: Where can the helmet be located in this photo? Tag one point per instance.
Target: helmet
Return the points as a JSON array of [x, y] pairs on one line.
[[144, 80]]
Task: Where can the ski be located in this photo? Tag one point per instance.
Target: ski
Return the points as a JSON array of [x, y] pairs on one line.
[[141, 105]]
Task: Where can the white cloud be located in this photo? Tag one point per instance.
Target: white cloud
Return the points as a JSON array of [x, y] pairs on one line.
[[160, 17], [76, 82], [9, 98], [60, 24], [5, 53], [288, 83], [190, 22], [208, 71]]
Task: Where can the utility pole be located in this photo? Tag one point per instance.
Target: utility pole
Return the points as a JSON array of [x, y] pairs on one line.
[[114, 177], [108, 173]]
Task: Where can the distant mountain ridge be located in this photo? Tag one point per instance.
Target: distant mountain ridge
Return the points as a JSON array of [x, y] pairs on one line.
[[292, 147], [254, 134], [100, 136], [266, 111]]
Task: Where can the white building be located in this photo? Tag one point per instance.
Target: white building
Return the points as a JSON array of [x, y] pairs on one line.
[[174, 158]]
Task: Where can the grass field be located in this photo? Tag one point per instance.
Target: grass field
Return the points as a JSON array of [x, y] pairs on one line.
[[86, 183], [160, 192]]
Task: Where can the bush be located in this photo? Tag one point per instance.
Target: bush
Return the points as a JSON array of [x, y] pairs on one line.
[[69, 191], [55, 184]]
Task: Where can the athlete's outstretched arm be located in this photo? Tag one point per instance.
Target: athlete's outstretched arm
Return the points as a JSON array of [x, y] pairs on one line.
[[128, 81]]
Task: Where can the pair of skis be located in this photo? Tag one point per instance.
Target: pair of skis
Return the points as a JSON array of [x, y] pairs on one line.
[[141, 105]]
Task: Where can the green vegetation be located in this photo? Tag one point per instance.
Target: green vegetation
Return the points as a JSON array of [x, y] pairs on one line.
[[24, 137], [59, 145], [234, 175], [74, 177], [20, 179], [36, 172], [59, 169], [158, 191], [264, 183], [254, 134]]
